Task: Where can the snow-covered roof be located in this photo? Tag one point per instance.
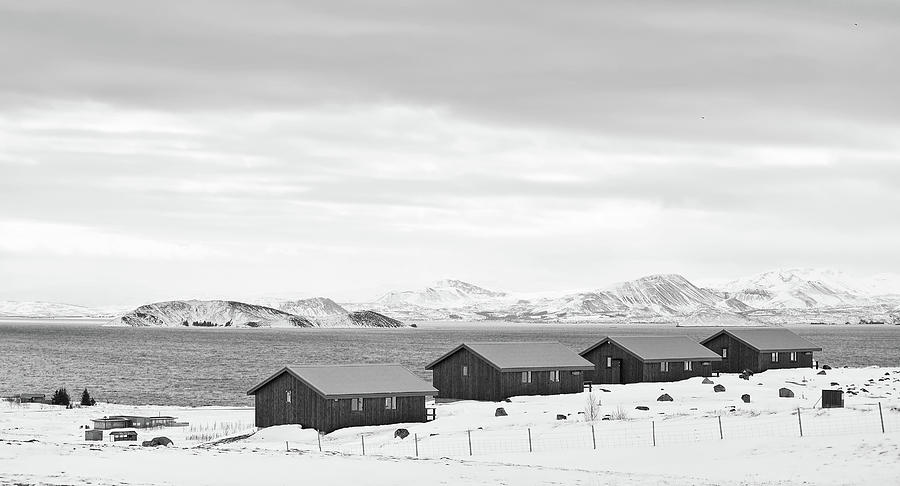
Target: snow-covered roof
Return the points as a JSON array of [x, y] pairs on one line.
[[768, 339], [524, 356], [357, 380], [660, 348]]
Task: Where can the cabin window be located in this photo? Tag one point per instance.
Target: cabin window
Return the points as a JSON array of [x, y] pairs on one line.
[[774, 357], [688, 366], [576, 373], [287, 396], [465, 370], [526, 377], [356, 404], [554, 376], [724, 352], [664, 366], [609, 361], [390, 403], [794, 356]]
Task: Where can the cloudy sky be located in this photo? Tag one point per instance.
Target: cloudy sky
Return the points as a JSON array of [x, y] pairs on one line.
[[227, 149]]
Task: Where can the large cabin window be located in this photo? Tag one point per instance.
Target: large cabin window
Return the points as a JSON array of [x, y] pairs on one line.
[[390, 403], [664, 366], [774, 357], [554, 376], [465, 370], [356, 404], [526, 377], [287, 396], [688, 366], [794, 356], [609, 361]]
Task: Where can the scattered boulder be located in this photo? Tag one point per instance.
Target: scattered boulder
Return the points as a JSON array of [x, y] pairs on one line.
[[157, 441], [560, 416], [604, 390], [826, 367], [864, 390], [834, 383], [718, 388], [785, 393], [665, 397], [508, 400], [745, 398], [707, 381], [822, 373], [500, 412], [401, 433], [744, 377], [747, 371], [642, 407]]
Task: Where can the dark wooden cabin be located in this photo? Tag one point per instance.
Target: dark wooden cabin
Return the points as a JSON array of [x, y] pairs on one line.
[[496, 371], [637, 359], [328, 398], [760, 348]]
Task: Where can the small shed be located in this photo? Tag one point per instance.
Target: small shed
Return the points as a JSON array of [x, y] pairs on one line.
[[31, 398], [128, 435], [331, 397], [760, 348], [832, 399], [496, 371], [637, 359], [92, 434]]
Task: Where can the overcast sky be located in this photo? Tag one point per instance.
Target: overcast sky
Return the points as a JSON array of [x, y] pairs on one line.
[[229, 149]]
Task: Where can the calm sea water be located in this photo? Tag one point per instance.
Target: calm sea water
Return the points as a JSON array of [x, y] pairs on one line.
[[199, 366]]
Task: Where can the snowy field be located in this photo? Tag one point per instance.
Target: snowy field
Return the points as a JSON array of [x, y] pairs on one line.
[[701, 437]]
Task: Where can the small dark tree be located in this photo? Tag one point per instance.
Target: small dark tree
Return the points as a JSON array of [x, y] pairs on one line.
[[86, 399], [61, 397]]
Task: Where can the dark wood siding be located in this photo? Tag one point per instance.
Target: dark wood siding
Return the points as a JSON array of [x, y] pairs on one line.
[[484, 382], [742, 357], [632, 368], [636, 371], [309, 409]]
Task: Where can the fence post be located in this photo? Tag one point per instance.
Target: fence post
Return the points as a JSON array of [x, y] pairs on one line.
[[593, 437], [286, 447], [416, 440], [721, 435], [319, 437], [469, 432], [881, 416], [529, 440], [362, 439], [653, 431], [800, 422]]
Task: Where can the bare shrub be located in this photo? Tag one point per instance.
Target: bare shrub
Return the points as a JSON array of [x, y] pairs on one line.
[[592, 408], [619, 414]]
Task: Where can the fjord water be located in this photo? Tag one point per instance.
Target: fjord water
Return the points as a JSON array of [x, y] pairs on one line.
[[208, 366]]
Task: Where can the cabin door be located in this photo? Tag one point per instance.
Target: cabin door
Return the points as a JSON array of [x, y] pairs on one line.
[[615, 373]]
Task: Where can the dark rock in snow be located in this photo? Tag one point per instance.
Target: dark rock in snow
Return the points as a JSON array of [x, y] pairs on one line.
[[834, 383], [718, 388], [746, 398], [604, 390], [401, 433], [785, 393], [642, 407], [822, 373], [560, 416], [500, 412], [157, 441], [707, 381], [665, 397], [747, 372], [826, 367]]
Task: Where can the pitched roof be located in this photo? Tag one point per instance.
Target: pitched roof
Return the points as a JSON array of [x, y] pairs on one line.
[[524, 356], [768, 339], [358, 380], [660, 348]]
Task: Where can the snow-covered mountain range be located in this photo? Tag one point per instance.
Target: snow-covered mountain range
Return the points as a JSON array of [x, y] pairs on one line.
[[793, 295], [780, 296], [319, 312]]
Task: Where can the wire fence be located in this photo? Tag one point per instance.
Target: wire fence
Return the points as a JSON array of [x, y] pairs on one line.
[[625, 433]]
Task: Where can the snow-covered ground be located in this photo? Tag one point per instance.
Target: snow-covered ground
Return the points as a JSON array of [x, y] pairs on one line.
[[758, 442]]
